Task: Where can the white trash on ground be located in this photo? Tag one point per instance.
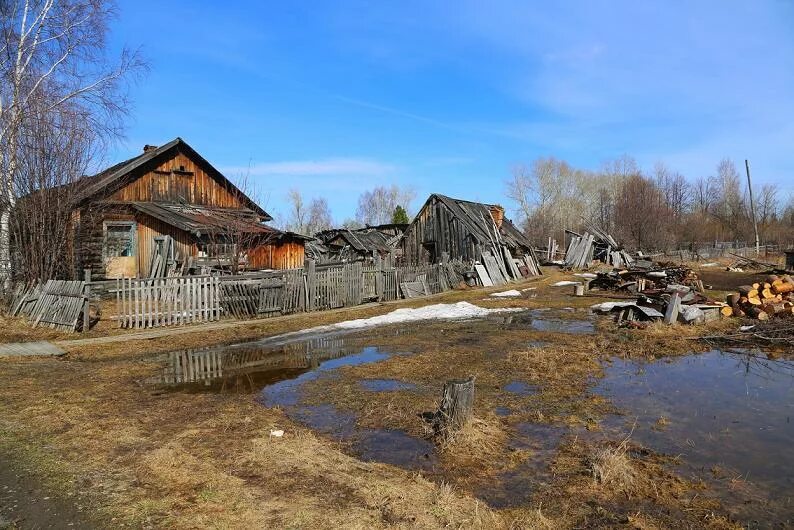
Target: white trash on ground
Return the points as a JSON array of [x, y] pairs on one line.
[[509, 293]]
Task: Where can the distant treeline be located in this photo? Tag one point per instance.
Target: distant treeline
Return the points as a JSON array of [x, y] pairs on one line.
[[657, 210]]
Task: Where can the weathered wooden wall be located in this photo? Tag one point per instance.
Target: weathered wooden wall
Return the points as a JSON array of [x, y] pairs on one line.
[[436, 225], [286, 255], [165, 181], [148, 229]]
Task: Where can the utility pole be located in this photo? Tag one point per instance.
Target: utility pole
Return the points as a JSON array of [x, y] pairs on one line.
[[752, 209]]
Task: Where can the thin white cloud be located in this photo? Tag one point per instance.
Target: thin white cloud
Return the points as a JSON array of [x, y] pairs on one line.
[[326, 166]]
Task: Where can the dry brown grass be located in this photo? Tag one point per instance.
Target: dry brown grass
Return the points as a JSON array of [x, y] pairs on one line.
[[197, 460], [612, 467]]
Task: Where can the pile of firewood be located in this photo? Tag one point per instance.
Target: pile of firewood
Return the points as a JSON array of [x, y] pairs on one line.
[[774, 297]]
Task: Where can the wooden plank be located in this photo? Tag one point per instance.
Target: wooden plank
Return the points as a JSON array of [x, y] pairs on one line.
[[482, 274]]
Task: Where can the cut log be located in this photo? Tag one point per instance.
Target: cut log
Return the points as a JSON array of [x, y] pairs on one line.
[[748, 291], [754, 301], [774, 308], [782, 288], [727, 311], [733, 299], [767, 293], [757, 313]]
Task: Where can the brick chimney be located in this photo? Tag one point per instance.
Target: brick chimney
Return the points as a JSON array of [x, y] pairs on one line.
[[147, 148], [498, 214]]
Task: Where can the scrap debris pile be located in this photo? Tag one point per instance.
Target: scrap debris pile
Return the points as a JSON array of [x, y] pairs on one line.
[[671, 303], [741, 264], [675, 294], [772, 298], [594, 244], [644, 276]]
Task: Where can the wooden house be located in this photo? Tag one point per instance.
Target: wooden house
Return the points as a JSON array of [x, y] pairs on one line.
[[460, 230], [170, 195]]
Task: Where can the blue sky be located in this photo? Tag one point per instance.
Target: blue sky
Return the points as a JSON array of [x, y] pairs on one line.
[[337, 97]]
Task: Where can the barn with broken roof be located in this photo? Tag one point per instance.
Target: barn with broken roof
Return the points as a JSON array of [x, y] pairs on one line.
[[462, 230], [170, 195]]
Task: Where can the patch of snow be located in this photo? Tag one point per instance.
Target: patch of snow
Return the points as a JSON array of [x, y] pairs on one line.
[[586, 275], [746, 328], [564, 282], [528, 289], [511, 292], [712, 264], [428, 312]]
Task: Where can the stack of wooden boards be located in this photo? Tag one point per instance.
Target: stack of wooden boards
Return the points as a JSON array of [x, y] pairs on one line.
[[497, 269], [584, 248], [772, 298]]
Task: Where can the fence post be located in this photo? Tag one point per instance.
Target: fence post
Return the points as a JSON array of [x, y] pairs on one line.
[[87, 301], [310, 270], [379, 279]]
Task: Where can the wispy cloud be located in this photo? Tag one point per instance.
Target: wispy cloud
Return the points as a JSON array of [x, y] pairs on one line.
[[320, 167]]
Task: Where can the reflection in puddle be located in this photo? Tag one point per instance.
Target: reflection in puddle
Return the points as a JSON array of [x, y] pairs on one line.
[[250, 367], [385, 385], [728, 415], [544, 319]]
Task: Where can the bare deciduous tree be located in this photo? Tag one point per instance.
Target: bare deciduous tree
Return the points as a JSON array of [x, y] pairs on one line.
[[53, 54], [307, 220], [319, 216], [377, 206]]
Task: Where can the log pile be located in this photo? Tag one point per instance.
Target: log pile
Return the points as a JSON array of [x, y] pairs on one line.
[[772, 298]]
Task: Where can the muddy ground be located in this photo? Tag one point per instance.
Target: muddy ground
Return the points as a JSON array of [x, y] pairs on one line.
[[93, 426]]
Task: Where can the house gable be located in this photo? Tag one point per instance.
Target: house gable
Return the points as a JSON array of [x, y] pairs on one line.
[[172, 173]]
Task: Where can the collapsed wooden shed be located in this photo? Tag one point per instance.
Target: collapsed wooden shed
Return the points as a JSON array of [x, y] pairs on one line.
[[363, 243], [171, 195], [461, 230]]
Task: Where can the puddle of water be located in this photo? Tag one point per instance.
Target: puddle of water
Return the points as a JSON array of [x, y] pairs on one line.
[[521, 388], [728, 410], [394, 447], [543, 319], [503, 411], [515, 488], [249, 367], [287, 393], [385, 385]]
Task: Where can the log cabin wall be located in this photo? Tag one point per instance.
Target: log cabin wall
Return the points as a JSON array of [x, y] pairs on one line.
[[178, 179], [284, 255], [91, 232], [435, 230]]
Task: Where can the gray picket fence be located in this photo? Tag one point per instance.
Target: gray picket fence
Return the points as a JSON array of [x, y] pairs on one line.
[[146, 303]]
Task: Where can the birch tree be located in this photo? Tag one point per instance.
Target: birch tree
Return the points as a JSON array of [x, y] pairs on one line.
[[52, 54], [376, 206]]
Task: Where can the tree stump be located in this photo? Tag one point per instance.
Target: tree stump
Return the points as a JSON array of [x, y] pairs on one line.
[[457, 403]]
